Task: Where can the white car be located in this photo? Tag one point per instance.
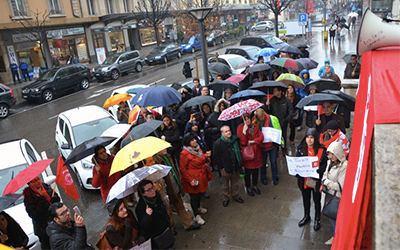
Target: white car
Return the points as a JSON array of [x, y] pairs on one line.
[[76, 126], [263, 25], [132, 90], [15, 156], [231, 60]]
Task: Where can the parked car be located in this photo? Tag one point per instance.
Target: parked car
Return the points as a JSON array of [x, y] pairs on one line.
[[230, 60], [117, 64], [15, 156], [266, 41], [247, 52], [7, 100], [132, 90], [58, 81], [76, 126], [163, 53], [263, 25], [217, 36], [191, 44]]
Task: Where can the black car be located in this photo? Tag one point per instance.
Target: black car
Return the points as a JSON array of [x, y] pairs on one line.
[[217, 36], [248, 52], [58, 81], [7, 100], [264, 42], [163, 53]]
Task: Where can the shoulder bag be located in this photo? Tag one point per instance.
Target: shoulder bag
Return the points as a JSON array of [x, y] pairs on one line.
[[331, 205], [210, 176], [165, 240], [247, 152], [104, 244], [295, 114]]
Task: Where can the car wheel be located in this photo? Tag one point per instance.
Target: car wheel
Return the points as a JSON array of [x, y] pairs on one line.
[[222, 40], [179, 54], [4, 110], [85, 83], [138, 67], [213, 43], [253, 29], [266, 29], [47, 95], [193, 50], [165, 59], [114, 74]]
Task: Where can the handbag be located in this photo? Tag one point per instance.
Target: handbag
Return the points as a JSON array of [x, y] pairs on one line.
[[247, 153], [310, 182], [295, 115], [165, 240], [210, 176], [331, 205], [104, 244]]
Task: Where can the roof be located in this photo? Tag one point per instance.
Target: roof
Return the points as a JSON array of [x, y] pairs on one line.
[[244, 47], [228, 56], [84, 114], [11, 154]]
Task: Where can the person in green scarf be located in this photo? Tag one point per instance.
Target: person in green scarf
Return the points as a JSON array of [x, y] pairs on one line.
[[226, 154]]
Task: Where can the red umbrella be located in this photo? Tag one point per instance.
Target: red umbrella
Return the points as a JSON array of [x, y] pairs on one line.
[[26, 175], [239, 109], [236, 78], [285, 63]]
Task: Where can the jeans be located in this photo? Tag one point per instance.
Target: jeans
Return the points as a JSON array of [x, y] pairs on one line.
[[15, 76], [339, 37], [333, 225], [274, 166], [25, 74]]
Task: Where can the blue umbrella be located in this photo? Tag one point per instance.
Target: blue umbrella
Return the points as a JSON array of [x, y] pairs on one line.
[[134, 90], [266, 52], [157, 96], [246, 94]]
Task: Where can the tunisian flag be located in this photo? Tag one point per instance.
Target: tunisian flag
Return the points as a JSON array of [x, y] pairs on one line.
[[378, 87], [64, 179]]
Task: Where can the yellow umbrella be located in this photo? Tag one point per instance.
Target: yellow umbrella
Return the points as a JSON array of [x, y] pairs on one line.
[[137, 151], [116, 99], [4, 247], [291, 79]]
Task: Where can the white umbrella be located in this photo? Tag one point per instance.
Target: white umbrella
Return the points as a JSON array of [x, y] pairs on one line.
[[118, 130], [126, 185], [353, 14]]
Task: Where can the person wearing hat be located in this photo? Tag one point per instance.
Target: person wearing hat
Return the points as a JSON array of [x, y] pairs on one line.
[[332, 134], [122, 228]]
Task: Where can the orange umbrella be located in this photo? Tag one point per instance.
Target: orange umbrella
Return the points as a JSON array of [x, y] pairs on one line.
[[134, 111], [116, 99]]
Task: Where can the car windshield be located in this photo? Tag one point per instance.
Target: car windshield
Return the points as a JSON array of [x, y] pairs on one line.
[[212, 35], [186, 40], [87, 131], [252, 52], [7, 174], [48, 75], [158, 49], [236, 60], [110, 60], [273, 40]]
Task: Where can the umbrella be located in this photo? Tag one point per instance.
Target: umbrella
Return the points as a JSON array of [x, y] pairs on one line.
[[134, 91], [198, 100], [141, 131], [221, 85], [26, 175], [258, 67], [347, 58], [285, 62], [318, 99], [267, 86], [291, 49], [186, 59], [301, 45], [157, 95], [221, 68], [353, 14], [244, 64], [266, 52], [350, 100], [126, 184], [246, 94], [87, 148], [236, 78], [116, 99], [137, 151], [118, 130], [322, 84], [307, 63], [287, 79], [8, 200], [239, 109]]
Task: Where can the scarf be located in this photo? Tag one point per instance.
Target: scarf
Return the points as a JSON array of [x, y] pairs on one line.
[[194, 151], [165, 158], [236, 147], [42, 192]]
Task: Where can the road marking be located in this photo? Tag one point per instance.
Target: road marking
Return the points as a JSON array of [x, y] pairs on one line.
[[162, 79], [52, 117]]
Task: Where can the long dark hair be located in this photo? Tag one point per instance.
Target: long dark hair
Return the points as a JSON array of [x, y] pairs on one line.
[[17, 236], [172, 124], [117, 222], [316, 145]]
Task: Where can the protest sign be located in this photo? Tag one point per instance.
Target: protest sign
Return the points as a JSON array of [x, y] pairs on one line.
[[272, 135], [302, 166]]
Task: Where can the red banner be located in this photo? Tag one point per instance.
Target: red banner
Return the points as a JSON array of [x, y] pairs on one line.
[[64, 180]]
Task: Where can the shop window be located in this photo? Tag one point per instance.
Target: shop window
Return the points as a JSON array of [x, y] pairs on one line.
[[19, 8], [55, 7], [126, 5], [90, 6], [109, 6]]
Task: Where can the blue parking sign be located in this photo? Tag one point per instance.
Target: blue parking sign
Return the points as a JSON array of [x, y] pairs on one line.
[[302, 18]]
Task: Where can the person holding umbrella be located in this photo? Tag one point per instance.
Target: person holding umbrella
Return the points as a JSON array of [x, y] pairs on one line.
[[187, 70], [170, 132], [353, 69], [311, 116], [123, 113], [328, 115], [38, 197], [330, 75], [213, 125]]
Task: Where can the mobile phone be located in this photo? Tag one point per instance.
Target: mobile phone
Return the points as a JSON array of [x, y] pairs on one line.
[[77, 211], [196, 182]]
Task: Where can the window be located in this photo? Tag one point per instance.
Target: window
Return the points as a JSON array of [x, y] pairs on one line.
[[62, 73], [55, 7], [68, 136], [109, 6], [31, 154], [19, 7], [2, 90], [90, 6], [126, 5], [61, 125], [73, 70]]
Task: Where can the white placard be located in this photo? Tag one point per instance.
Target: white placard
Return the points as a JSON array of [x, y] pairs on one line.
[[144, 246], [272, 135], [101, 55], [302, 166], [312, 108]]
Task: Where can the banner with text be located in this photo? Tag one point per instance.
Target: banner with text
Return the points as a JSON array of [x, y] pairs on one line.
[[272, 135], [302, 166]]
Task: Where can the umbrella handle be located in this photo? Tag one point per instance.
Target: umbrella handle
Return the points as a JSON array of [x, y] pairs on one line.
[[54, 189]]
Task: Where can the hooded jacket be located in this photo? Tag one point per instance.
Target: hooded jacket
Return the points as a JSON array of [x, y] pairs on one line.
[[322, 72], [301, 92], [212, 127], [67, 238]]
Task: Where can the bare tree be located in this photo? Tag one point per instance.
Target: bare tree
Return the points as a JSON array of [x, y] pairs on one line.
[[154, 12], [277, 7], [35, 29]]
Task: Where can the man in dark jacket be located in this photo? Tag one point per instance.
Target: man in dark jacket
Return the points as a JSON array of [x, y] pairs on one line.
[[14, 71], [64, 233], [212, 126], [353, 69], [197, 87], [24, 69], [328, 115], [179, 116], [332, 76], [227, 156]]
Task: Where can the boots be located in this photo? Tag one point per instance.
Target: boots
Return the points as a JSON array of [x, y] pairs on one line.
[[317, 224], [304, 221]]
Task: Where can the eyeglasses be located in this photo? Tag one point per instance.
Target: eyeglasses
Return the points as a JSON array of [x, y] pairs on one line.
[[64, 212], [150, 189]]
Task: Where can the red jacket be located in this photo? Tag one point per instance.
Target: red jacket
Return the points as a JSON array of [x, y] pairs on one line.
[[258, 137], [193, 167], [103, 180]]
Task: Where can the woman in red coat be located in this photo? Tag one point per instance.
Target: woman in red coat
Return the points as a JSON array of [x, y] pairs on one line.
[[250, 134], [194, 172]]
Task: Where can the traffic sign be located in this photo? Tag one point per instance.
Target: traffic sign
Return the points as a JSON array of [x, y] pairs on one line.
[[302, 18]]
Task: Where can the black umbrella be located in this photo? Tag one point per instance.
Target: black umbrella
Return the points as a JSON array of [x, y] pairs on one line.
[[141, 131], [87, 148], [318, 99], [219, 68], [8, 200], [347, 58], [268, 86], [301, 45], [291, 49], [221, 85], [258, 67], [322, 84], [307, 63], [198, 100], [350, 100], [186, 59]]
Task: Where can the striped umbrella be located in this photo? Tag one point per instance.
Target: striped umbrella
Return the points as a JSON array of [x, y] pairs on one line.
[[285, 63]]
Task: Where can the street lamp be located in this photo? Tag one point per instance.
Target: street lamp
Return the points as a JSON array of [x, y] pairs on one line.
[[200, 14]]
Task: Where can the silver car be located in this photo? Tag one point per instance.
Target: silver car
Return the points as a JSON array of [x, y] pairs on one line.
[[263, 25]]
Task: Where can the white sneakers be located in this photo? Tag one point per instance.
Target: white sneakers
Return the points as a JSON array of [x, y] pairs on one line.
[[329, 242], [199, 220], [202, 210]]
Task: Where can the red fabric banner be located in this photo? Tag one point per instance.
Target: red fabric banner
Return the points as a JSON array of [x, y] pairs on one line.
[[64, 180], [377, 87]]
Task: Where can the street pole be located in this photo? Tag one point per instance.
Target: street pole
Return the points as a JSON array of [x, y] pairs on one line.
[[203, 52], [325, 15]]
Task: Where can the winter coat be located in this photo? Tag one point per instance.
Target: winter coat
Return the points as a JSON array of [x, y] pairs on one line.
[[23, 66], [301, 92], [199, 138], [212, 127], [224, 156], [172, 136], [311, 116], [322, 128], [124, 116], [270, 121], [187, 70], [321, 70], [326, 140], [193, 167], [349, 70], [281, 108], [67, 238], [14, 67], [334, 175], [127, 236], [104, 180], [180, 117], [256, 136], [16, 235], [334, 77]]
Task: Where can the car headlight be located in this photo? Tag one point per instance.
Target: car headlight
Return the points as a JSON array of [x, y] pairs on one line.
[[37, 90], [104, 69], [93, 70], [87, 164], [157, 57], [187, 47], [209, 39], [145, 58]]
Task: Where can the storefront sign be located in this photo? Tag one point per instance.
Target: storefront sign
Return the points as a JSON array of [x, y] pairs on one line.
[[11, 54], [65, 32], [25, 37], [101, 54], [26, 46]]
